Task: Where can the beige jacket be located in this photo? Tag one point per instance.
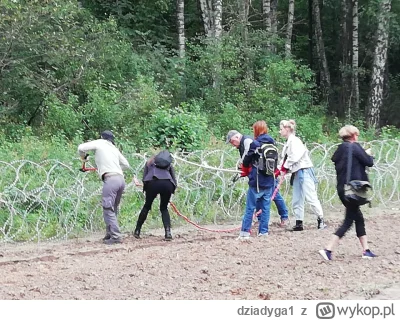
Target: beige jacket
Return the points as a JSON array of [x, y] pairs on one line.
[[297, 154], [107, 157]]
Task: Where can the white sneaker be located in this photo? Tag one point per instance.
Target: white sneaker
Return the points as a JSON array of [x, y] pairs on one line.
[[262, 234], [243, 238]]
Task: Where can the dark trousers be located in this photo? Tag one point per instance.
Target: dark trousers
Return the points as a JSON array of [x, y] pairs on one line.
[[353, 213], [164, 188]]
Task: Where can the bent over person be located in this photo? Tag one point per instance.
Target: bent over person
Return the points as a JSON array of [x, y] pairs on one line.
[[110, 163], [242, 143], [158, 179]]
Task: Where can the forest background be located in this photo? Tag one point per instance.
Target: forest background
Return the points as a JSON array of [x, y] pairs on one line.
[[180, 74]]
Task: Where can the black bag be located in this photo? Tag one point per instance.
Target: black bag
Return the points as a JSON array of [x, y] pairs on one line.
[[267, 161], [163, 160], [356, 191]]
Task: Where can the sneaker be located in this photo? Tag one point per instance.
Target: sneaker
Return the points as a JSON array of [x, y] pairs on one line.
[[112, 241], [284, 223], [262, 234], [321, 224], [368, 254], [325, 254], [243, 238]]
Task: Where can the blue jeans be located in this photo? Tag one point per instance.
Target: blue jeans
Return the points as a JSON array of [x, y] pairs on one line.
[[281, 205], [260, 200]]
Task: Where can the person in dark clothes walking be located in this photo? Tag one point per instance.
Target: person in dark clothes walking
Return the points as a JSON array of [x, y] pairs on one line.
[[360, 160], [157, 180]]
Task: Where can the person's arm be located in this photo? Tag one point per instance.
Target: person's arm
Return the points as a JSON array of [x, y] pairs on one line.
[[362, 156], [172, 172], [84, 148], [248, 158], [246, 143], [295, 152], [123, 162], [145, 171]]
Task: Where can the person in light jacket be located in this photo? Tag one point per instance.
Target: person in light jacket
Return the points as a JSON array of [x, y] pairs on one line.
[[110, 163], [297, 161]]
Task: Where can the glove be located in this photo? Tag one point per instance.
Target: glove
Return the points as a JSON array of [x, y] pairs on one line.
[[277, 172], [284, 170], [245, 171]]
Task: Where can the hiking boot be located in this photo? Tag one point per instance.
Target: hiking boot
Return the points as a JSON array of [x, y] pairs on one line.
[[136, 233], [298, 226], [106, 237], [112, 241], [327, 255], [168, 235], [321, 224], [367, 254]]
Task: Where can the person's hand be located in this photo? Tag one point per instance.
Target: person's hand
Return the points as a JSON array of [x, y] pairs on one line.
[[245, 171], [136, 182], [85, 158], [284, 170], [368, 152]]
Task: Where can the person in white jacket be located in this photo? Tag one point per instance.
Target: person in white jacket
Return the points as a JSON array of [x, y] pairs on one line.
[[298, 162], [110, 163]]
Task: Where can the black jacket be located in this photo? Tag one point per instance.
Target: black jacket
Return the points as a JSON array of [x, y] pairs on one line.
[[360, 160], [151, 172]]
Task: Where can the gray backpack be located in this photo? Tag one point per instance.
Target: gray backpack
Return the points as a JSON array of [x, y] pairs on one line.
[[267, 161]]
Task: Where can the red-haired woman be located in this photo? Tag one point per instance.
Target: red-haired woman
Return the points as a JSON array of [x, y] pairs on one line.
[[260, 185]]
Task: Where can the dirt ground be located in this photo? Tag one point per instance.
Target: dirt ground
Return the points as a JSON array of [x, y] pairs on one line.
[[208, 265]]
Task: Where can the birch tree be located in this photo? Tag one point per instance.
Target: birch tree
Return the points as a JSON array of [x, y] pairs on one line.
[[354, 100], [266, 14], [180, 5], [375, 98], [207, 15], [289, 29]]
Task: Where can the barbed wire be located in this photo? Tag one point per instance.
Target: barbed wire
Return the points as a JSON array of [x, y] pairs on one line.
[[52, 200]]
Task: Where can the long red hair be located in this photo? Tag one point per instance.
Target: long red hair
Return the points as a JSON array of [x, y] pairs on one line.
[[259, 128]]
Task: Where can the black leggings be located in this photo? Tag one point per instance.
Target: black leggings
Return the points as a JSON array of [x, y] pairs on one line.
[[353, 213], [164, 188]]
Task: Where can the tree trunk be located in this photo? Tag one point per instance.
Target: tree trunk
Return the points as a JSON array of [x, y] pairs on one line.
[[217, 18], [375, 98], [289, 29], [310, 34], [344, 67], [354, 100], [208, 17], [266, 11], [180, 6], [274, 24], [324, 70]]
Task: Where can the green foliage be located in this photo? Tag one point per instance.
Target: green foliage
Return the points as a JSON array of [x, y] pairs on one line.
[[178, 128]]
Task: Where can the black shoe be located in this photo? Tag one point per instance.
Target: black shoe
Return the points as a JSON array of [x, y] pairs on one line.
[[321, 223], [113, 241], [106, 237], [136, 233], [298, 226], [168, 235]]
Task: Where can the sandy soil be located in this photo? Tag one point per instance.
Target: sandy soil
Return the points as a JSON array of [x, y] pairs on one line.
[[207, 265]]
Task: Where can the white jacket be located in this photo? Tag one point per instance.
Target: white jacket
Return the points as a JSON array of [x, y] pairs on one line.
[[297, 154], [107, 157]]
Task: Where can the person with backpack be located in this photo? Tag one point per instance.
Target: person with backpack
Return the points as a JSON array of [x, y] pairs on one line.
[[242, 143], [261, 183], [110, 163], [360, 159], [158, 179], [297, 161]]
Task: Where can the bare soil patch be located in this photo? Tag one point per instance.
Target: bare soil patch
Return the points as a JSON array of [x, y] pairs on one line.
[[206, 265]]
